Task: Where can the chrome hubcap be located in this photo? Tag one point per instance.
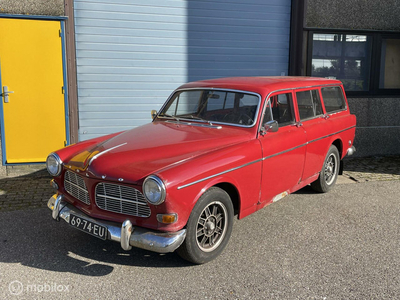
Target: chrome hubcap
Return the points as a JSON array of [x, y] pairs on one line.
[[211, 226], [330, 169]]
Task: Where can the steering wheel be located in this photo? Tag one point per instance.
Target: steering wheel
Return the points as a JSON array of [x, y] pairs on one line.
[[229, 118], [244, 117]]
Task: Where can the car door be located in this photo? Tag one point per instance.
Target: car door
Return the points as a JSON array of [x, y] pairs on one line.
[[314, 123], [283, 150]]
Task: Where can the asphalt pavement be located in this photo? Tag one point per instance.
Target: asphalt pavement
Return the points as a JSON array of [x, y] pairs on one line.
[[340, 245]]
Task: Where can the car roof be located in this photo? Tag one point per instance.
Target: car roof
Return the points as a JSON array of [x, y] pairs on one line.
[[261, 85]]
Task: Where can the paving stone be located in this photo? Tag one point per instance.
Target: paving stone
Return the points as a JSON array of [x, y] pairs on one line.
[[374, 168], [33, 190]]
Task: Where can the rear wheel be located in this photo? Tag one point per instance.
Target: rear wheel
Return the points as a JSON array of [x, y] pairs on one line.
[[329, 173], [209, 227]]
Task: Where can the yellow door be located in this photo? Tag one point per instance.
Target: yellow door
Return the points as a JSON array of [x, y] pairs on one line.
[[33, 109]]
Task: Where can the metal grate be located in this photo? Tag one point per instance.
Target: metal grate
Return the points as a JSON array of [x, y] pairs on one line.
[[76, 187], [121, 199]]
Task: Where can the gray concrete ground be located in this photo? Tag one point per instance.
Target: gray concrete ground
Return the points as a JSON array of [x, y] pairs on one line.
[[340, 245]]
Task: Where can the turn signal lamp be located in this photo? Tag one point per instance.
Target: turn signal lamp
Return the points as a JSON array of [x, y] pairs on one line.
[[54, 184], [167, 218]]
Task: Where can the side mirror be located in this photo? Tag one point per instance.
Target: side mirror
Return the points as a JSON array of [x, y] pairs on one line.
[[153, 114], [270, 126]]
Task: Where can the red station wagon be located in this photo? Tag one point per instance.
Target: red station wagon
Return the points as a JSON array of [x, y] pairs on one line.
[[217, 148]]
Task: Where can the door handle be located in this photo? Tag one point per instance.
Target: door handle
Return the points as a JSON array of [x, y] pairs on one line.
[[6, 92]]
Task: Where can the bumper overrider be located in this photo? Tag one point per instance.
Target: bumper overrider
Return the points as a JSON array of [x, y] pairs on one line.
[[351, 150], [125, 234]]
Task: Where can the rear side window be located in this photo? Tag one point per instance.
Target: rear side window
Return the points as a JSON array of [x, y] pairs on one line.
[[309, 104], [333, 99]]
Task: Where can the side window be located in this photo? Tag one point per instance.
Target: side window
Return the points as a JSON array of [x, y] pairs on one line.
[[333, 99], [282, 109], [309, 104]]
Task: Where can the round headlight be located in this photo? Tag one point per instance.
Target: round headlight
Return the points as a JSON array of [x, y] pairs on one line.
[[154, 190], [54, 164]]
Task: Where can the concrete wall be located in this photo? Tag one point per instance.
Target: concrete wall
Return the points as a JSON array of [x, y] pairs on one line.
[[378, 125], [354, 14], [378, 122], [32, 7]]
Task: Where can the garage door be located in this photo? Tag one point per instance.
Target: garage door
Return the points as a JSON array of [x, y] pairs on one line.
[[132, 54]]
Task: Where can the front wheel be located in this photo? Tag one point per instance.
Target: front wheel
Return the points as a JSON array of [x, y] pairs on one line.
[[209, 227], [329, 173]]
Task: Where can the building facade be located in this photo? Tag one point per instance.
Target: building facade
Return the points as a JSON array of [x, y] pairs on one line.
[[358, 42], [32, 78], [121, 60], [132, 55]]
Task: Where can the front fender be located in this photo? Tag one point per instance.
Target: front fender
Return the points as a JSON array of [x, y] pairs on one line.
[[239, 165]]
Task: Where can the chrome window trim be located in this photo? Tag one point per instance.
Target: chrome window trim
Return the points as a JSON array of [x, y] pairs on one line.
[[294, 89], [189, 122], [320, 102], [216, 89], [268, 100], [262, 159]]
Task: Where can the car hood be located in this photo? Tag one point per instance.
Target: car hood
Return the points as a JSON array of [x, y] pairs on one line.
[[139, 152]]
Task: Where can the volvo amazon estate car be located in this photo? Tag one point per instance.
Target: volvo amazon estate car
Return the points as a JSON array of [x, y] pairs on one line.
[[215, 150]]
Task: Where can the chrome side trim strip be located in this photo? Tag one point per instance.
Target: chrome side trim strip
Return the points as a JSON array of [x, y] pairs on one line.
[[218, 174], [332, 134], [285, 151], [104, 152], [261, 159]]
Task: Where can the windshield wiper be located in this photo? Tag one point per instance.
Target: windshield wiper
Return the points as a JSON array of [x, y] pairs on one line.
[[196, 118], [169, 116]]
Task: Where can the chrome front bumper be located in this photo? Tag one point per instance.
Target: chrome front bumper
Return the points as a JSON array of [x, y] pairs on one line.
[[125, 234]]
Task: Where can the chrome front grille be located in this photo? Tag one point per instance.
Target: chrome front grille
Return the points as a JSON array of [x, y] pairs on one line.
[[121, 199], [76, 187]]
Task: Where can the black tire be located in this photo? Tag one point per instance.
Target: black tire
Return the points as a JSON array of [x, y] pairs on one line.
[[209, 227], [329, 173]]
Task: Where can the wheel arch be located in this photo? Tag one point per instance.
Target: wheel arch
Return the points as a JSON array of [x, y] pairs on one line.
[[339, 145], [233, 194]]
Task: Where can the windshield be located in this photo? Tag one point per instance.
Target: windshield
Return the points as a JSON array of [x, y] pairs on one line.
[[230, 107]]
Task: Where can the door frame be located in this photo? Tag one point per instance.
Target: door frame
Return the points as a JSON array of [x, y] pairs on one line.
[[62, 20]]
